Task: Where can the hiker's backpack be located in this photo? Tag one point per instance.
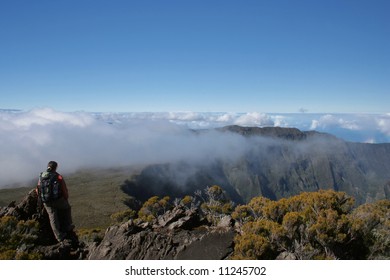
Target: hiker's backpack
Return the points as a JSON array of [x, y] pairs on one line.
[[50, 186]]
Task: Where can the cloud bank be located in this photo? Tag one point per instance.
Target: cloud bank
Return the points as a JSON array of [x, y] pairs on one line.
[[29, 139]]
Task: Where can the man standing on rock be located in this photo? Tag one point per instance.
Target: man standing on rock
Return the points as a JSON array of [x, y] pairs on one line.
[[53, 193]]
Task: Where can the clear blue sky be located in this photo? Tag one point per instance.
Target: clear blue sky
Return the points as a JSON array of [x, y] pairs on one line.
[[200, 55]]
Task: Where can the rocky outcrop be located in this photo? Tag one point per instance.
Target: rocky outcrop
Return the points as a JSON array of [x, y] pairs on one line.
[[46, 246], [177, 234], [24, 210]]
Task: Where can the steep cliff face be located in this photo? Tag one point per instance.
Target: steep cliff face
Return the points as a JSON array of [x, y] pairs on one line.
[[361, 170], [279, 162]]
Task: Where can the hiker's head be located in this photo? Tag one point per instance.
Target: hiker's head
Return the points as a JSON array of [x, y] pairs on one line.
[[52, 166]]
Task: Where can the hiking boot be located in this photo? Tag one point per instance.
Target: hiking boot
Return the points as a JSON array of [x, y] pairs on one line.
[[61, 237], [66, 243]]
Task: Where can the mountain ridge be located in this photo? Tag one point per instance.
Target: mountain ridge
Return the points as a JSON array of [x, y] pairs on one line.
[[281, 162], [288, 133]]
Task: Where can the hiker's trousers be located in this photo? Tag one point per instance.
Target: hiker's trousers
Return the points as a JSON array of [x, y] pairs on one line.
[[60, 216]]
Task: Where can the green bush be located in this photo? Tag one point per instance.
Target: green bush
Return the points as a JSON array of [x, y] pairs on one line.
[[154, 207], [91, 235], [17, 238], [371, 225], [316, 225], [123, 216]]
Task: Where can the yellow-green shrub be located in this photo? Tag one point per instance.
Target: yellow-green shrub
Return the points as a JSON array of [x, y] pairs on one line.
[[314, 225], [16, 234]]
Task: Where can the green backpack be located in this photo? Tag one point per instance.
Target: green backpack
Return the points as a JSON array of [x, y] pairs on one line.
[[50, 189]]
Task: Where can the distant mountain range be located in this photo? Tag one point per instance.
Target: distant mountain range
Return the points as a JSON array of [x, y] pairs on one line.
[[281, 162]]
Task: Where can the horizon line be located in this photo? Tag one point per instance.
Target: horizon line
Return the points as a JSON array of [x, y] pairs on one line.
[[192, 111]]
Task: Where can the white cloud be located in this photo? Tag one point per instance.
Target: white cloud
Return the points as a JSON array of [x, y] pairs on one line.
[[314, 124], [368, 128], [383, 123], [254, 119], [47, 116], [334, 121], [28, 140], [370, 141], [280, 121]]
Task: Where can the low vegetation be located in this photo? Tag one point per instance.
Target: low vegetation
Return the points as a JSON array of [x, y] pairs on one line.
[[311, 225], [316, 225], [16, 237]]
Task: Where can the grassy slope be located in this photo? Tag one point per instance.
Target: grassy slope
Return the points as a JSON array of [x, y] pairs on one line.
[[94, 195], [14, 194]]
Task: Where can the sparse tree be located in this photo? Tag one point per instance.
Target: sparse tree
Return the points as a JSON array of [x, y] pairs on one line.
[[216, 204]]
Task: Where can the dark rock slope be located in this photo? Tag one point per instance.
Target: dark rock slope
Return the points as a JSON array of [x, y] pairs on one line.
[[178, 234]]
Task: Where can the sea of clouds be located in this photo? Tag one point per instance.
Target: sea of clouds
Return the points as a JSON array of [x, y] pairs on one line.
[[29, 139]]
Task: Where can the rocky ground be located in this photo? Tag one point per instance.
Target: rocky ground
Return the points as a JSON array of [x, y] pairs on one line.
[[178, 234]]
